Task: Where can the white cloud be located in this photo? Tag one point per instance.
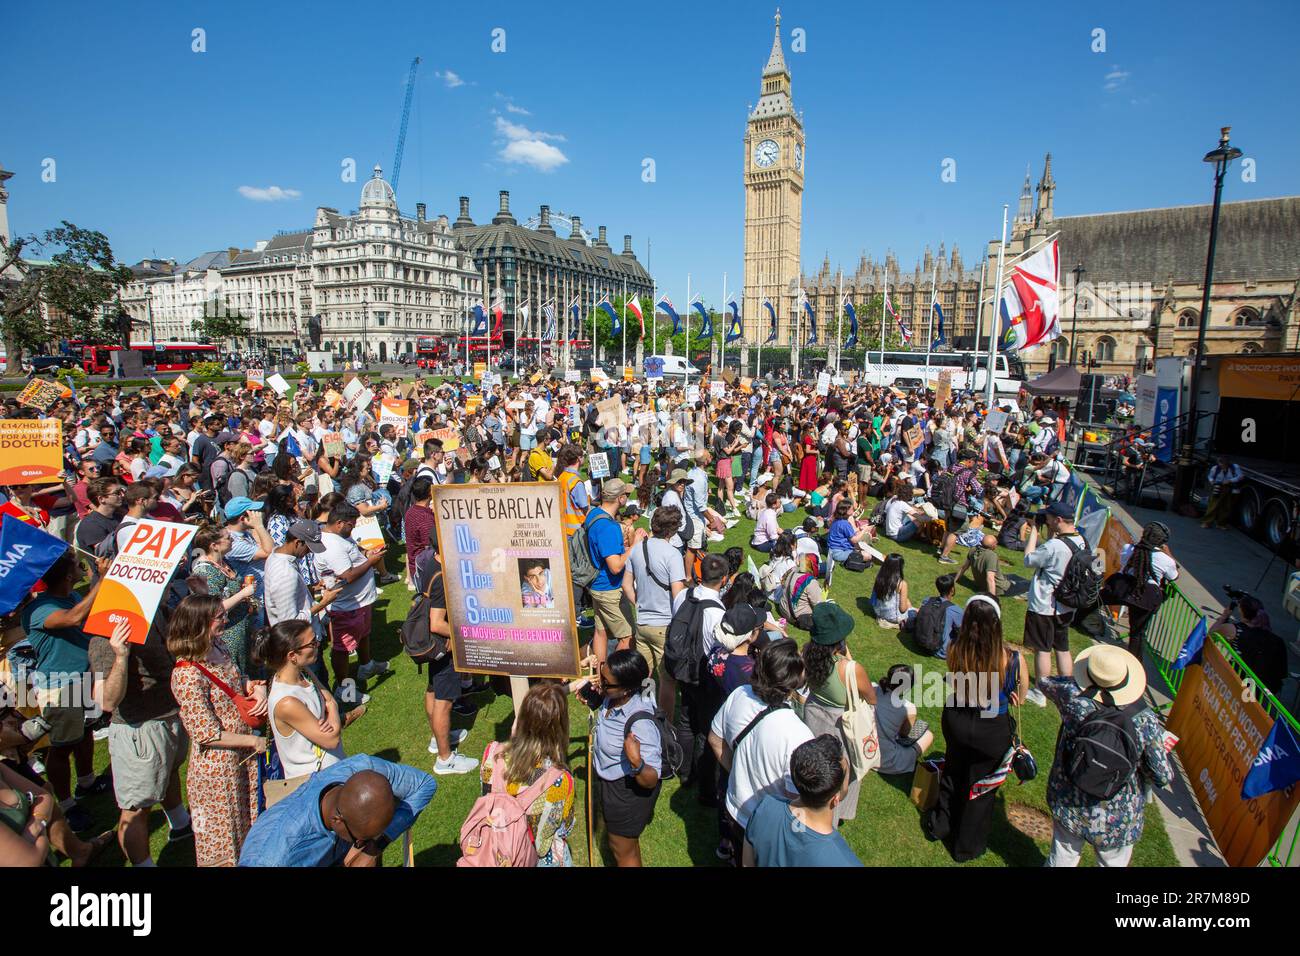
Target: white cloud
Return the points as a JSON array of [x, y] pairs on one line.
[[530, 147], [511, 108], [450, 79], [533, 152], [1115, 78], [268, 193]]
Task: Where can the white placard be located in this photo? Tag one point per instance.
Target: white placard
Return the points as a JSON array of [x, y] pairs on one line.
[[717, 389], [367, 533], [598, 465], [278, 383], [573, 375], [995, 421], [692, 394], [823, 383]]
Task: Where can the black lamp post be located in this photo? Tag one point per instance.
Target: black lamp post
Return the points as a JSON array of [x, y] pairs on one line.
[[1077, 271], [1220, 158]]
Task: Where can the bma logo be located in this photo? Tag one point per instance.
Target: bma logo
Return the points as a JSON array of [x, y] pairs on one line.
[[75, 909], [12, 558], [1269, 754]]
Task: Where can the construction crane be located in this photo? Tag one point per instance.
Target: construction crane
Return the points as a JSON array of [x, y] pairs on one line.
[[406, 115]]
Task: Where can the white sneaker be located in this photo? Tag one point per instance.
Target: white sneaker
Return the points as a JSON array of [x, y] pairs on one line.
[[731, 522], [456, 763], [1036, 697], [715, 537], [454, 739]]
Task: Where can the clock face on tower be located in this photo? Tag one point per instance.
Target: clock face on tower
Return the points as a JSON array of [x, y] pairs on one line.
[[766, 153], [798, 157]]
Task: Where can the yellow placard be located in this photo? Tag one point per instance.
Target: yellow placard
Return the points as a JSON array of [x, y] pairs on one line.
[[41, 394], [536, 377], [37, 445], [479, 369], [472, 403], [449, 437]]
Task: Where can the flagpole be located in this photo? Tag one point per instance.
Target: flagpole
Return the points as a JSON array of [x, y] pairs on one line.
[[979, 314], [884, 297], [759, 369], [724, 321], [624, 323], [997, 293], [839, 324], [929, 336], [654, 305], [688, 327]]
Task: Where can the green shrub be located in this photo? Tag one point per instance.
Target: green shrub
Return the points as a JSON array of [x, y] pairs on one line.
[[301, 367], [206, 369]]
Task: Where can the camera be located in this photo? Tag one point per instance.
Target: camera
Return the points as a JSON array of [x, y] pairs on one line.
[[1235, 595], [1040, 519]]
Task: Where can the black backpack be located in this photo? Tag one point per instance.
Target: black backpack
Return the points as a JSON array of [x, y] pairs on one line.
[[671, 751], [1102, 754], [582, 570], [420, 643], [220, 484], [943, 491], [684, 643], [928, 628], [1080, 586]]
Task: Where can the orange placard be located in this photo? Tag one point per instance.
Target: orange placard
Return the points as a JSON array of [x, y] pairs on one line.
[[1221, 728], [31, 451], [137, 579], [395, 412], [1113, 538], [255, 379]]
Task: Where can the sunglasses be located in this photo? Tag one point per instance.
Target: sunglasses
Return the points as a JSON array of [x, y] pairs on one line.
[[356, 844]]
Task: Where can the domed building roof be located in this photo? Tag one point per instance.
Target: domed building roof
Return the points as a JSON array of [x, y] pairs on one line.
[[377, 192]]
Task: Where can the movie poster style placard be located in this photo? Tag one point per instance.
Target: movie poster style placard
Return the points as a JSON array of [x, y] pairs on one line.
[[505, 563]]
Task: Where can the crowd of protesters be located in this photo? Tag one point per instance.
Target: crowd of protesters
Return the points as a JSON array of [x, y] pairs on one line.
[[728, 668]]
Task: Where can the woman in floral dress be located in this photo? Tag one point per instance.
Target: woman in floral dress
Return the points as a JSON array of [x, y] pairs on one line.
[[220, 782], [224, 583]]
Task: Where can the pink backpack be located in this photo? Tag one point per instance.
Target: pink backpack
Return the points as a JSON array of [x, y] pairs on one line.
[[496, 832]]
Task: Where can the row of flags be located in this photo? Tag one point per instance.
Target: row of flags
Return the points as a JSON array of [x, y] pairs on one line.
[[1029, 307]]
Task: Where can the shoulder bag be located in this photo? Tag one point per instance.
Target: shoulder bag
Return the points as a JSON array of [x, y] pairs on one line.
[[858, 727], [243, 702]]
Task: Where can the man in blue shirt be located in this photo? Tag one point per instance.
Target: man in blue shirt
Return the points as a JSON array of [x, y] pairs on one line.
[[345, 814], [605, 548], [803, 833]]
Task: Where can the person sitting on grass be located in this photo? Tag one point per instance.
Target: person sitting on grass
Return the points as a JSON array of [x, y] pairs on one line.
[[802, 832], [902, 520], [845, 538], [904, 738], [766, 531], [889, 598]]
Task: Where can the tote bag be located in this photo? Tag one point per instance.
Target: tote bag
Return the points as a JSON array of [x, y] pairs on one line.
[[858, 727]]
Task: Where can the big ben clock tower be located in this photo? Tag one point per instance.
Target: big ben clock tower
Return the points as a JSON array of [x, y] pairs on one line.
[[774, 161]]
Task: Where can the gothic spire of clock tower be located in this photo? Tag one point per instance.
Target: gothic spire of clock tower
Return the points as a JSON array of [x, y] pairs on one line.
[[773, 167]]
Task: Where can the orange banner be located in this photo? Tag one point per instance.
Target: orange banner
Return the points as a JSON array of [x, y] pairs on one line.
[[1275, 378], [1221, 727], [36, 444]]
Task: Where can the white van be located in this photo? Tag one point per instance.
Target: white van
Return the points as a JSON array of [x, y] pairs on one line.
[[673, 365]]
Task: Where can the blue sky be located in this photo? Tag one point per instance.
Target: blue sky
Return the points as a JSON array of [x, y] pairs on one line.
[[154, 142]]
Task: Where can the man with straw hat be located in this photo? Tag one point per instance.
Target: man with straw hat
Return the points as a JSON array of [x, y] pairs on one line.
[[1111, 749]]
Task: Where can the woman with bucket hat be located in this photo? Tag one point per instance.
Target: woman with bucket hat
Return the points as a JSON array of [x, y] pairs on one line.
[[1102, 803]]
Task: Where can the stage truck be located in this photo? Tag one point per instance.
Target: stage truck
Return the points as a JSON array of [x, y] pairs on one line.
[[1249, 410]]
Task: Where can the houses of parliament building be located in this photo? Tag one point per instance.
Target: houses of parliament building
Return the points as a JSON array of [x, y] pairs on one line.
[[1139, 273]]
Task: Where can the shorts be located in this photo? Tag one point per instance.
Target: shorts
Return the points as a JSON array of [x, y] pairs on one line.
[[650, 642], [645, 455], [627, 806], [1046, 632], [612, 612], [144, 756], [527, 441], [348, 627], [906, 531], [444, 680], [67, 724]]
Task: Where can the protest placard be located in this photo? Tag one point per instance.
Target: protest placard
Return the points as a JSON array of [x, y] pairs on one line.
[[138, 577], [381, 467], [36, 445], [255, 379], [472, 404], [823, 383], [509, 599], [421, 437], [729, 376], [479, 369], [536, 377], [177, 386], [367, 533], [356, 396], [277, 382], [395, 412], [943, 394], [41, 394], [692, 394], [598, 465], [449, 437], [913, 438], [333, 444], [654, 367], [629, 373], [717, 389], [573, 375], [995, 421]]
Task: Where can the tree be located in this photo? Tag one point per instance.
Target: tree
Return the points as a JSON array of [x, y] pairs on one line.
[[73, 286]]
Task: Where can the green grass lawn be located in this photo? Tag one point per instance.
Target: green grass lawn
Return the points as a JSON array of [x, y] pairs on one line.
[[887, 828]]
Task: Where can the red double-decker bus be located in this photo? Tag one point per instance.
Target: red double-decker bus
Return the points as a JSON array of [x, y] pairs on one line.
[[164, 356], [431, 351]]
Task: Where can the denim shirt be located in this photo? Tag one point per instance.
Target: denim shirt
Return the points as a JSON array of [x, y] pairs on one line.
[[291, 833]]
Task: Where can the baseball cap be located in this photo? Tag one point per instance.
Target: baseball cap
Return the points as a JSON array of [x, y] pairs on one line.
[[309, 533], [738, 625], [226, 438], [238, 505], [1060, 509], [613, 487]]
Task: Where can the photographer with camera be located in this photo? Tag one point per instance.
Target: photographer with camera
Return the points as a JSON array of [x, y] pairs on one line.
[[1047, 625], [1253, 639]]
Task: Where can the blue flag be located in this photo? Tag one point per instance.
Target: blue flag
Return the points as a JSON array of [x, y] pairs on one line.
[[812, 322], [767, 304], [1191, 652], [1276, 766], [736, 330], [26, 552], [608, 308], [853, 324], [480, 321], [667, 306]]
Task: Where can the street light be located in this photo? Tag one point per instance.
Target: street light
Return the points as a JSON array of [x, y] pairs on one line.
[[1077, 271], [1220, 158]]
